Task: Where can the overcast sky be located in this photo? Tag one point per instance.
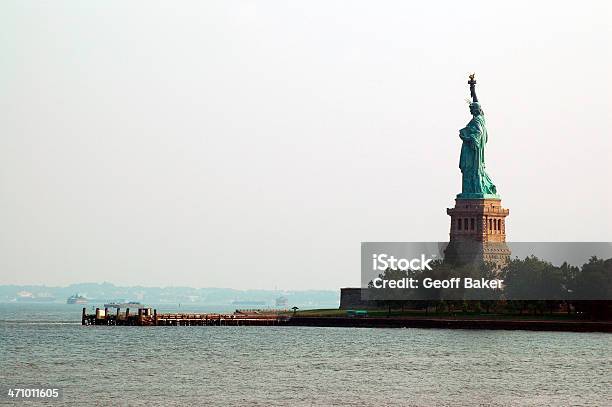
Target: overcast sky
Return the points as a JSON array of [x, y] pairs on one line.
[[255, 144]]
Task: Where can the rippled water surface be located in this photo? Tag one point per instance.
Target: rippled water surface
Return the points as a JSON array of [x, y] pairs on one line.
[[299, 366]]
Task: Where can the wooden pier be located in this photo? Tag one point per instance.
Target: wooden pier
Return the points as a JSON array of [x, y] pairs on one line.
[[150, 317]]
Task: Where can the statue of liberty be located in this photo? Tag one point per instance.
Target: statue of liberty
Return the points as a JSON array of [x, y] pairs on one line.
[[476, 183]]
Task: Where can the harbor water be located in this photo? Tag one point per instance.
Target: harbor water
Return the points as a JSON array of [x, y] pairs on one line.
[[100, 365]]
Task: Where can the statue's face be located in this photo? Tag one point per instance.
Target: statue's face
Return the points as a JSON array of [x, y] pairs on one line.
[[474, 110]]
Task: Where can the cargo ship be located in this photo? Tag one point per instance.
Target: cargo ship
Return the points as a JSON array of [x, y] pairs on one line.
[[26, 296]]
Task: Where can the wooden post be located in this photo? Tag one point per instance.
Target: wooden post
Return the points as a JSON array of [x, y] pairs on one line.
[[106, 315], [117, 316], [155, 317], [83, 316]]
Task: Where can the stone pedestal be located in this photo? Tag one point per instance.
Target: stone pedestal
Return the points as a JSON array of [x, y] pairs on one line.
[[477, 232]]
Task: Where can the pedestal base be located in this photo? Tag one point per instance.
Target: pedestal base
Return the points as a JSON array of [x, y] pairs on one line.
[[478, 232], [464, 252]]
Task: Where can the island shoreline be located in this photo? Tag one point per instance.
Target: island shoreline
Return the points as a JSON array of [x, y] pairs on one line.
[[454, 323]]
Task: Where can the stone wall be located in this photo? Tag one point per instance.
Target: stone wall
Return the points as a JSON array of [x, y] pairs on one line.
[[350, 298]]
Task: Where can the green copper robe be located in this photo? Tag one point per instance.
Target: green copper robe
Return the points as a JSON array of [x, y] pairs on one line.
[[475, 180]]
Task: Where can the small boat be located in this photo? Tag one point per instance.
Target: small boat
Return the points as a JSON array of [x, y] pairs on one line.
[[76, 299], [282, 301], [129, 304]]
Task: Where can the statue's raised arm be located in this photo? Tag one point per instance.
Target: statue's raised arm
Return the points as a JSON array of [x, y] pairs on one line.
[[472, 83]]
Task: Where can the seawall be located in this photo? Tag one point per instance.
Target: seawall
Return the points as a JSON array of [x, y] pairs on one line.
[[440, 323]]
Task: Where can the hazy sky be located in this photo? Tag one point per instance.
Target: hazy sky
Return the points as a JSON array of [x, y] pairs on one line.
[[255, 144]]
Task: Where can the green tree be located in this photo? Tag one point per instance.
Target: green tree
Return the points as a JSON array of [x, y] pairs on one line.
[[593, 286], [533, 284]]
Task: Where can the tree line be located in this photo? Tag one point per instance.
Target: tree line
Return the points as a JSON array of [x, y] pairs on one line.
[[530, 286]]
